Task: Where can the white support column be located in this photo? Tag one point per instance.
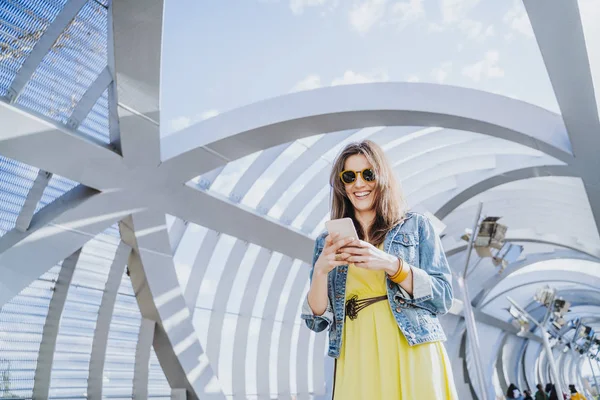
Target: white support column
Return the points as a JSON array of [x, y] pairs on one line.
[[176, 233], [258, 167], [240, 341], [33, 197], [43, 46], [114, 133], [299, 166], [98, 355], [266, 327], [160, 299], [207, 179], [287, 327], [43, 371], [178, 394], [302, 360], [203, 256], [90, 98], [222, 294], [142, 359], [323, 372]]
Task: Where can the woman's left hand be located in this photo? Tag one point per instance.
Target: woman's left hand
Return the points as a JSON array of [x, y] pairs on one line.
[[365, 255]]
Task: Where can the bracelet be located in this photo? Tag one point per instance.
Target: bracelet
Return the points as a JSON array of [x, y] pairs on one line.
[[401, 274]]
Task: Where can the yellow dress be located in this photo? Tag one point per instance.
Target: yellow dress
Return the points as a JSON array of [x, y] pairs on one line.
[[376, 362]]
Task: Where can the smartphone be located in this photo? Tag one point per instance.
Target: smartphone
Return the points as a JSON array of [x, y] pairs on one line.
[[344, 226]]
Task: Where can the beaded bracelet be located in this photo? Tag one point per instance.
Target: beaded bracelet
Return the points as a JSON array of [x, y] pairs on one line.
[[401, 274]]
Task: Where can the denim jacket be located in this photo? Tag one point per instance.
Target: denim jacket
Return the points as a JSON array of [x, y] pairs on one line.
[[415, 242]]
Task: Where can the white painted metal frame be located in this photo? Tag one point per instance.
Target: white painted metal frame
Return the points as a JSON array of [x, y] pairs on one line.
[[100, 341], [43, 371]]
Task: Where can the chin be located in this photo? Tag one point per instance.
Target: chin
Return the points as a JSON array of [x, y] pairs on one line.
[[363, 207]]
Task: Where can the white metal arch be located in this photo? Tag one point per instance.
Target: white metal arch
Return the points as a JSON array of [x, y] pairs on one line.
[[229, 136]]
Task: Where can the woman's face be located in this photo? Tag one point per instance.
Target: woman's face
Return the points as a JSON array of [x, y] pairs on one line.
[[360, 192]]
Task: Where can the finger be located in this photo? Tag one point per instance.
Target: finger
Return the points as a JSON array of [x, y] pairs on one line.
[[333, 263], [357, 259], [363, 244], [330, 239], [354, 250], [341, 243]]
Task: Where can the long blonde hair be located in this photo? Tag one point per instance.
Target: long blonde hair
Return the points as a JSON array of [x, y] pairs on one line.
[[389, 204]]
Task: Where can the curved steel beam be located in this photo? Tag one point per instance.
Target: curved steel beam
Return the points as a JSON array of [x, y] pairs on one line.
[[267, 325], [496, 280], [160, 298], [43, 371], [240, 341], [519, 174], [105, 313], [559, 34], [235, 134]]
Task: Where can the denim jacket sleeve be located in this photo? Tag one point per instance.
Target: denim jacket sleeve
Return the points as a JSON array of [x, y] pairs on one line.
[[432, 278], [314, 322]]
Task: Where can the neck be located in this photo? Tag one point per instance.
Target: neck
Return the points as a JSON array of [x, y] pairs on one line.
[[365, 219]]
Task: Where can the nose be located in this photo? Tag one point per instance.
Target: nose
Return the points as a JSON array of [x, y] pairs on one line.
[[359, 180]]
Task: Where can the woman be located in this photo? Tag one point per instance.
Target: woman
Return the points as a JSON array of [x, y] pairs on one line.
[[513, 392], [527, 395], [575, 395], [380, 296], [541, 393]]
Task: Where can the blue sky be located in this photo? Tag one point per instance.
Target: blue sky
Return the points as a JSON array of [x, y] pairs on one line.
[[219, 55]]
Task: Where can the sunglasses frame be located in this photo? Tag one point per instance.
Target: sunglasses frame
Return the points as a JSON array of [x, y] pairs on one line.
[[356, 175]]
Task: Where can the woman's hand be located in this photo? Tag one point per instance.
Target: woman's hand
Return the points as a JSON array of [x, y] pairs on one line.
[[365, 255], [329, 258]]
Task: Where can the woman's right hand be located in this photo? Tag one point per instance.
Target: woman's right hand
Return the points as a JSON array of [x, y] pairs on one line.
[[327, 260]]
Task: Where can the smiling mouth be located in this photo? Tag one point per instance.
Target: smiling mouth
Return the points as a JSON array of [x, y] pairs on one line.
[[362, 195]]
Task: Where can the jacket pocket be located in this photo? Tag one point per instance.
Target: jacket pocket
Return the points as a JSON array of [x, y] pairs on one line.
[[404, 245]]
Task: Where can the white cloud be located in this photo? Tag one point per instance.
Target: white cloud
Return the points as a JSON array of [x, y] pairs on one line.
[[474, 29], [486, 68], [308, 83], [298, 6], [366, 14], [456, 10], [350, 77], [408, 11], [455, 16], [413, 78], [517, 20], [441, 73]]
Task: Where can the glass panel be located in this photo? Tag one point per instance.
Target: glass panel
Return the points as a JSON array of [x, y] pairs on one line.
[[23, 23], [73, 64], [158, 387], [96, 123], [16, 179]]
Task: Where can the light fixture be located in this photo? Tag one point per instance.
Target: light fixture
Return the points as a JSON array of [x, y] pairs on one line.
[[508, 254], [545, 295]]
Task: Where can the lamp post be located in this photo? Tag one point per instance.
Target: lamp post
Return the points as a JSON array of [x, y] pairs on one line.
[[545, 334], [468, 312]]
